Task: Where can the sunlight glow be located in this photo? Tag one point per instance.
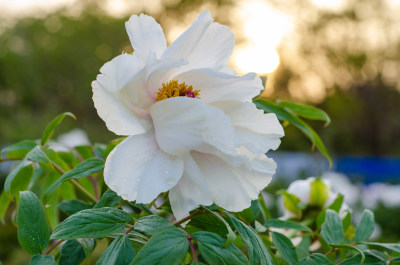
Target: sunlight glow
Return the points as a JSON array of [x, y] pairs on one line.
[[21, 8], [264, 28], [329, 4]]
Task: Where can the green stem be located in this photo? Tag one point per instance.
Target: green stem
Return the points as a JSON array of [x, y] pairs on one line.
[[10, 159], [81, 188], [75, 183]]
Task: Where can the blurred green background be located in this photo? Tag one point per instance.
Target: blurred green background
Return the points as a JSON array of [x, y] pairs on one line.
[[341, 56]]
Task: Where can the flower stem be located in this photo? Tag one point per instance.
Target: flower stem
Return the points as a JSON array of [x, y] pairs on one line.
[[10, 159], [75, 183], [189, 238], [128, 230], [81, 188], [330, 251], [189, 217], [56, 243]]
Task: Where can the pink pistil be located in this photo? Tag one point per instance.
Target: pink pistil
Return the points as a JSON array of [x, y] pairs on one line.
[[190, 94]]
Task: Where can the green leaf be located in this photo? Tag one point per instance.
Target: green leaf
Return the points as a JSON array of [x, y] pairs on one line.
[[351, 248], [71, 253], [319, 192], [20, 149], [332, 228], [210, 246], [307, 112], [85, 151], [284, 115], [302, 249], [92, 223], [316, 259], [390, 246], [291, 201], [263, 208], [109, 199], [33, 229], [285, 247], [54, 157], [210, 223], [369, 260], [258, 252], [19, 179], [120, 252], [71, 207], [48, 132], [51, 209], [4, 203], [152, 224], [337, 203], [231, 235], [142, 207], [84, 169], [276, 223], [346, 221], [37, 155], [38, 259], [169, 247], [366, 226], [88, 245]]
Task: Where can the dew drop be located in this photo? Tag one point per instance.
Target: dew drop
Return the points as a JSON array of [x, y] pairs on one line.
[[170, 181]]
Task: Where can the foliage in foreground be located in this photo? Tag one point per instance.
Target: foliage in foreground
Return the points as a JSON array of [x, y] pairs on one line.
[[48, 186]]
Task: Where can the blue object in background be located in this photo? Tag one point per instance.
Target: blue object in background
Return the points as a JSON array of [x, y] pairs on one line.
[[369, 169]]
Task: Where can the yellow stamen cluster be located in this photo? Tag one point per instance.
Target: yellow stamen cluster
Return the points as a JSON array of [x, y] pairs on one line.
[[174, 89]]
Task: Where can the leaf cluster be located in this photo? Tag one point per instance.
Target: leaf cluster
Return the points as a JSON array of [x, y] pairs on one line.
[[63, 209]]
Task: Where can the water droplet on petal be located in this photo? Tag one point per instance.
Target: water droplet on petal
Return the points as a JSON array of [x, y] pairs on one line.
[[170, 181]]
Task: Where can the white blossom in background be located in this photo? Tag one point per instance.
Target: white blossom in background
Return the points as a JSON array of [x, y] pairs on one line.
[[302, 189], [340, 183], [191, 125], [387, 194], [66, 141]]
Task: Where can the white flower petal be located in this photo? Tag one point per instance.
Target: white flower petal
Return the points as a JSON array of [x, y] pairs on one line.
[[190, 192], [140, 92], [161, 71], [183, 124], [118, 72], [258, 131], [146, 36], [138, 170], [118, 118], [232, 187], [205, 44], [216, 86]]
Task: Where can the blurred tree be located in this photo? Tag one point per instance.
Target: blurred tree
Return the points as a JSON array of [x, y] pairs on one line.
[[346, 60], [47, 64]]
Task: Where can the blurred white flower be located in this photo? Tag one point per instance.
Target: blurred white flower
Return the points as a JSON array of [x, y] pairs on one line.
[[302, 189], [387, 194], [66, 141], [192, 128], [340, 183]]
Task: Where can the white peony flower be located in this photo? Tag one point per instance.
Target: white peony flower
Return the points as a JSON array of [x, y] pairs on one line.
[[191, 125]]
